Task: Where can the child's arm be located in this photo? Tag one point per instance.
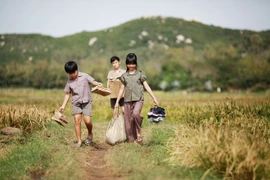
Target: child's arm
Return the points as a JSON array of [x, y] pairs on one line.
[[66, 98], [149, 90], [108, 84], [120, 94], [95, 83]]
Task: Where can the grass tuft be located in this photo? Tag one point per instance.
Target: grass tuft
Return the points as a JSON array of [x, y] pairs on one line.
[[27, 117]]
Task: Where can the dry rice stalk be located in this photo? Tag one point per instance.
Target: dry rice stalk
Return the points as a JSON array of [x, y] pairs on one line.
[[25, 117], [236, 148]]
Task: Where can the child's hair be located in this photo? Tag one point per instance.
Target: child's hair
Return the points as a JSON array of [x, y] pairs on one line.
[[131, 59], [71, 67], [115, 58]]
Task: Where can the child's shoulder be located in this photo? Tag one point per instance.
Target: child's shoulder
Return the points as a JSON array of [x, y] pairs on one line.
[[83, 74], [122, 71], [111, 72], [141, 72], [125, 73]]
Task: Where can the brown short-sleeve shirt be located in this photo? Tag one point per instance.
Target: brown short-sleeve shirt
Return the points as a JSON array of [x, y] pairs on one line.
[[79, 88], [133, 85], [115, 84]]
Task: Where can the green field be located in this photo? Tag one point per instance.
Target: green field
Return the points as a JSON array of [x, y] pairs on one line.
[[205, 136]]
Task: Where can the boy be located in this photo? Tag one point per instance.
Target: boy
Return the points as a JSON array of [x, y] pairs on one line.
[[113, 82], [77, 86]]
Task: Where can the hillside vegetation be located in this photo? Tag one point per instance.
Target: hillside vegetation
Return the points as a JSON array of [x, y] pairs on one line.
[[174, 53]]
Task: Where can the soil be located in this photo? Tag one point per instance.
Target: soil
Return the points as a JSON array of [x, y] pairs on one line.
[[93, 159], [95, 166]]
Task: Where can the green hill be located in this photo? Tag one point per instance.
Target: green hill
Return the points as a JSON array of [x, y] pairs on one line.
[[170, 50]]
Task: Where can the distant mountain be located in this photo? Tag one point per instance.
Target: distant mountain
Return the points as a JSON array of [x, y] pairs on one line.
[[138, 33], [152, 38]]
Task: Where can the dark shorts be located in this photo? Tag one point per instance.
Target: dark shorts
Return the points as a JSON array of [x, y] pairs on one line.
[[113, 101], [85, 109]]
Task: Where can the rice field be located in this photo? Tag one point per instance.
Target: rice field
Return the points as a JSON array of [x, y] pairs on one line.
[[222, 135]]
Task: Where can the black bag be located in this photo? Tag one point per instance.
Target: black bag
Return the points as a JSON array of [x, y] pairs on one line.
[[156, 114]]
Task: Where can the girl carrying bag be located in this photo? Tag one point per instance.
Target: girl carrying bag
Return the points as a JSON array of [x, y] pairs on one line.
[[116, 132]]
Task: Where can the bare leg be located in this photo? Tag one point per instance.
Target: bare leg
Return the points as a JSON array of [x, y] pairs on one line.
[[78, 120], [89, 126]]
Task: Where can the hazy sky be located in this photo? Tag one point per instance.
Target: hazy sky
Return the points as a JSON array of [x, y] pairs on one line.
[[65, 17]]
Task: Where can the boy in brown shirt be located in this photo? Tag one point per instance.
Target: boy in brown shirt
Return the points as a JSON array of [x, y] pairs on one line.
[[113, 82]]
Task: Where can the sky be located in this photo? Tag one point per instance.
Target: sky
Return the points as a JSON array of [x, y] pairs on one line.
[[58, 18]]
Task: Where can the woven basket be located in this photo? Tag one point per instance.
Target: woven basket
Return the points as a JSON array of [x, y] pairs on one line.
[[101, 91], [60, 118]]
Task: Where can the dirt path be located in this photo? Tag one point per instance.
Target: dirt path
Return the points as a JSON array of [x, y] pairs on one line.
[[95, 166], [92, 159]]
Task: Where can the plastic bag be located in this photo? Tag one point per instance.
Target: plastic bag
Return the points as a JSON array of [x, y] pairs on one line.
[[116, 132]]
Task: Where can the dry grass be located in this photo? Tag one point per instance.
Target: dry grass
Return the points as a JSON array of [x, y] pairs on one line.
[[232, 140], [210, 136], [25, 117]]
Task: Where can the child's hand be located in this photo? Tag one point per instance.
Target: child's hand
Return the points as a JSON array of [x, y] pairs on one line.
[[61, 109], [100, 84], [115, 112], [155, 102]]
